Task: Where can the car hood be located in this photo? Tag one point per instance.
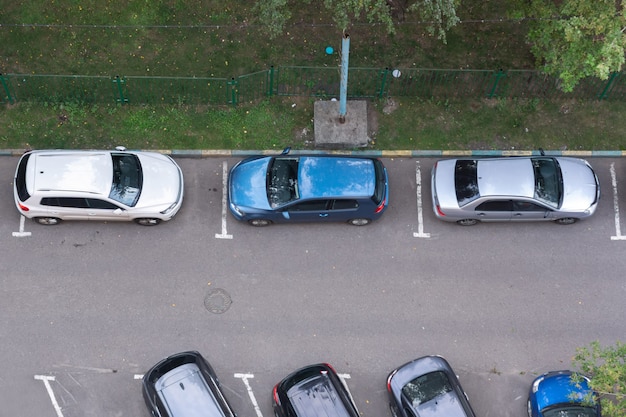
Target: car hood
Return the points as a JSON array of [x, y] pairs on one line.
[[558, 389], [162, 181], [580, 185], [248, 184]]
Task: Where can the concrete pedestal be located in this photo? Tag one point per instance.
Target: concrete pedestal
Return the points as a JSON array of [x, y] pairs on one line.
[[331, 133]]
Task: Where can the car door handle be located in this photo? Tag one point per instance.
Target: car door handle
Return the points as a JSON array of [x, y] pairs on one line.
[[517, 215], [323, 214]]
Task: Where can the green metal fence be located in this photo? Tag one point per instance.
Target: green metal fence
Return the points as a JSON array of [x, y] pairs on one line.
[[302, 81]]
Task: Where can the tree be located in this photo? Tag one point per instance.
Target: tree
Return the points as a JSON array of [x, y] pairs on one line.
[[574, 39], [440, 14], [606, 368]]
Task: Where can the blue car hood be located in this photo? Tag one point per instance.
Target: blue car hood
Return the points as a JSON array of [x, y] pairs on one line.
[[559, 389], [248, 184]]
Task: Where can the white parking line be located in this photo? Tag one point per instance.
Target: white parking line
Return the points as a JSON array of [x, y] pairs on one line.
[[244, 378], [343, 378], [618, 231], [224, 234], [21, 233], [420, 217], [46, 381]]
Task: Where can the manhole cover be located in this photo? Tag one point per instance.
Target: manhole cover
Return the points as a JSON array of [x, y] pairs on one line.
[[217, 301]]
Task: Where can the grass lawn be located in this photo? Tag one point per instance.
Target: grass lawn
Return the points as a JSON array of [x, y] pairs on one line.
[[222, 39]]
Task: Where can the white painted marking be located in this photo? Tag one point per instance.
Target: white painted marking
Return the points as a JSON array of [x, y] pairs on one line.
[[618, 230], [46, 381], [420, 218], [138, 376], [224, 234], [21, 233], [343, 378], [244, 378]]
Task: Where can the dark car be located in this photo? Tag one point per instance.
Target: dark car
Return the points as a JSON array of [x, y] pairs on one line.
[[558, 394], [427, 387], [313, 391], [184, 385], [285, 188]]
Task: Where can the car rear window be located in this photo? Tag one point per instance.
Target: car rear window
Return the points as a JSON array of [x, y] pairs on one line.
[[466, 181], [426, 387], [380, 190], [20, 178], [184, 391], [316, 397]]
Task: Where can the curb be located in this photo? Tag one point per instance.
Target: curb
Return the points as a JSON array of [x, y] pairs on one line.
[[208, 153]]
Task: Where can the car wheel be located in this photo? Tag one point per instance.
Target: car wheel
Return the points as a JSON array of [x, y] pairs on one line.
[[393, 409], [148, 221], [528, 408], [566, 220], [48, 221], [359, 222], [259, 222], [467, 222]]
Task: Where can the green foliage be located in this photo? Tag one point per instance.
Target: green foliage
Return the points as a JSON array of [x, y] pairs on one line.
[[574, 39], [440, 14], [346, 11], [606, 366], [274, 14]]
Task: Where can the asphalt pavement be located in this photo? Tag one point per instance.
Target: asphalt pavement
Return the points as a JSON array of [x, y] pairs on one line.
[[89, 306]]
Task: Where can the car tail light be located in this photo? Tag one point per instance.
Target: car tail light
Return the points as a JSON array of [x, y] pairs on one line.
[[381, 206], [389, 380], [275, 394], [441, 213], [24, 208], [330, 367]]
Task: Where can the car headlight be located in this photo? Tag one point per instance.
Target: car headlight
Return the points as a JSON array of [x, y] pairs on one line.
[[237, 210], [536, 384], [169, 209]]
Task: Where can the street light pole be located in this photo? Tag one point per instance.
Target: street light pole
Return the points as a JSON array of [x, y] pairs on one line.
[[343, 87]]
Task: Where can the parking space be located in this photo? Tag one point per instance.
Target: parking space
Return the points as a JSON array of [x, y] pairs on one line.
[[89, 306], [84, 391], [206, 203]]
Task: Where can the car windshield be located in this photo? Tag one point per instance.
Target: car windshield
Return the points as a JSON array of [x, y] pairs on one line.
[[282, 181], [127, 179], [426, 387], [548, 181], [569, 410], [466, 181]]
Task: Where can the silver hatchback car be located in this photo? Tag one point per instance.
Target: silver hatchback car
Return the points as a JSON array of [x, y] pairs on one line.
[[559, 189], [55, 185]]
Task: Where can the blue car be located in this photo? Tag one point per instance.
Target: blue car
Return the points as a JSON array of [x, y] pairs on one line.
[[305, 188], [555, 394]]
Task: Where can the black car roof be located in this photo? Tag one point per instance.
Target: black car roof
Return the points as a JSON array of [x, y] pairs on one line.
[[317, 391]]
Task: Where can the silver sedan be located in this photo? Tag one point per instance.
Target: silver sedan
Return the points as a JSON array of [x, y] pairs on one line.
[[558, 189]]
